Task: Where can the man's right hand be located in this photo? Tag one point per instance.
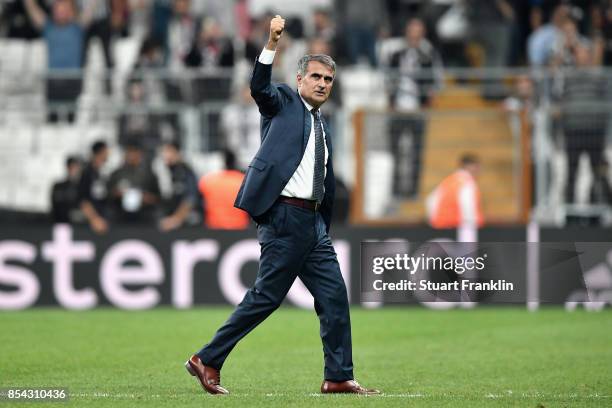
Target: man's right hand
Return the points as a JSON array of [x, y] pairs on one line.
[[277, 25]]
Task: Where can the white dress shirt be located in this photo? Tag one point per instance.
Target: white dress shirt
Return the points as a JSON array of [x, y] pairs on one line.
[[300, 185]]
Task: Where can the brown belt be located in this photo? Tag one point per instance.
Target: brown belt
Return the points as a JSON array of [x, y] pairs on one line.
[[300, 202]]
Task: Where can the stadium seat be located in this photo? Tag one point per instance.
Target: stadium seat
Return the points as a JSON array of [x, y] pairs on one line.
[[33, 197], [59, 139], [36, 57], [363, 88], [16, 139]]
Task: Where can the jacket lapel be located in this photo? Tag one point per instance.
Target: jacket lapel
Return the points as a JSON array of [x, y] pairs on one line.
[[328, 141], [306, 128]]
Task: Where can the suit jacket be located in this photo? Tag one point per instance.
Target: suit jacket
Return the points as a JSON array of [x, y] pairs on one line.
[[285, 129]]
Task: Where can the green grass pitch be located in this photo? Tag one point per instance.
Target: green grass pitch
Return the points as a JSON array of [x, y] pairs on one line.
[[482, 357]]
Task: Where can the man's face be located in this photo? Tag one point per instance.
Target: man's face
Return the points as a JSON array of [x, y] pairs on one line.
[[170, 155], [415, 31], [63, 12], [74, 170], [473, 169], [181, 7], [315, 86], [103, 155], [133, 156]]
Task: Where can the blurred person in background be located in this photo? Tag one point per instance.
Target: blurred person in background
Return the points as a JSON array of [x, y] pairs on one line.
[[184, 197], [362, 20], [65, 194], [564, 50], [583, 99], [182, 30], [324, 26], [541, 42], [219, 192], [150, 59], [92, 189], [110, 18], [211, 48], [240, 122], [64, 35], [417, 74], [14, 20], [420, 72], [606, 31], [522, 97], [176, 28], [456, 201], [492, 23], [133, 188], [137, 121]]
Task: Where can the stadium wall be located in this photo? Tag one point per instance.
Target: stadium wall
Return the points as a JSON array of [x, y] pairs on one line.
[[140, 268]]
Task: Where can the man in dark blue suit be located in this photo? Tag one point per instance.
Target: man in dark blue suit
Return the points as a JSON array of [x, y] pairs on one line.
[[289, 190]]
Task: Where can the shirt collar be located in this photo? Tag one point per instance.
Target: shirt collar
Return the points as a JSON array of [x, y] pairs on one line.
[[308, 106]]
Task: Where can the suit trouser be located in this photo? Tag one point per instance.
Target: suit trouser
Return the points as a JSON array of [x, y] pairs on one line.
[[294, 243]]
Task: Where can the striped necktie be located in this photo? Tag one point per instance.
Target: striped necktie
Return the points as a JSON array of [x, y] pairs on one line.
[[319, 163]]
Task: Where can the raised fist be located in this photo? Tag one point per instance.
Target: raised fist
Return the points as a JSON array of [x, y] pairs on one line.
[[277, 25]]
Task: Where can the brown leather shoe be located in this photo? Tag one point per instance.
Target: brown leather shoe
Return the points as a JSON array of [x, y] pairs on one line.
[[209, 378], [350, 387]]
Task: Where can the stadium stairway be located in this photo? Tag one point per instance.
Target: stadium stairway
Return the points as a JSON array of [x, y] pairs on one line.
[[461, 121]]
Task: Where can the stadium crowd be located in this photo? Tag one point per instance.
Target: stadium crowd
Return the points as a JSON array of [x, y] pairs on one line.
[[413, 41]]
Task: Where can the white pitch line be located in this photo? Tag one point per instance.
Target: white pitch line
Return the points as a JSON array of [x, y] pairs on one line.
[[509, 395]]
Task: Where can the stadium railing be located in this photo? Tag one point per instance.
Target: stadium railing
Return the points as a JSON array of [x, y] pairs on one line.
[[390, 158]]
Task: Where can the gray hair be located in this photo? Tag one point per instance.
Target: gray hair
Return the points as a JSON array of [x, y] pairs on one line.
[[322, 58]]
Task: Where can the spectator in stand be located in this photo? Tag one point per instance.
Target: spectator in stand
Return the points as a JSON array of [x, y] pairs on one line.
[[362, 20], [564, 50], [182, 30], [492, 22], [15, 21], [145, 91], [65, 194], [222, 11], [64, 36], [92, 189], [211, 49], [183, 27], [417, 74], [150, 59], [110, 18], [456, 201], [419, 68], [240, 125], [134, 189], [219, 191], [584, 110], [540, 45], [522, 99], [606, 31], [140, 123], [324, 26], [184, 199]]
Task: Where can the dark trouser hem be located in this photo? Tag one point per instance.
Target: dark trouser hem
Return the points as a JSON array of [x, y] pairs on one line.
[[339, 379], [208, 362], [335, 376]]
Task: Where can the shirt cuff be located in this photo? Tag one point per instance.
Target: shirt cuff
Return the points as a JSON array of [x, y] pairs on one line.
[[266, 56]]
